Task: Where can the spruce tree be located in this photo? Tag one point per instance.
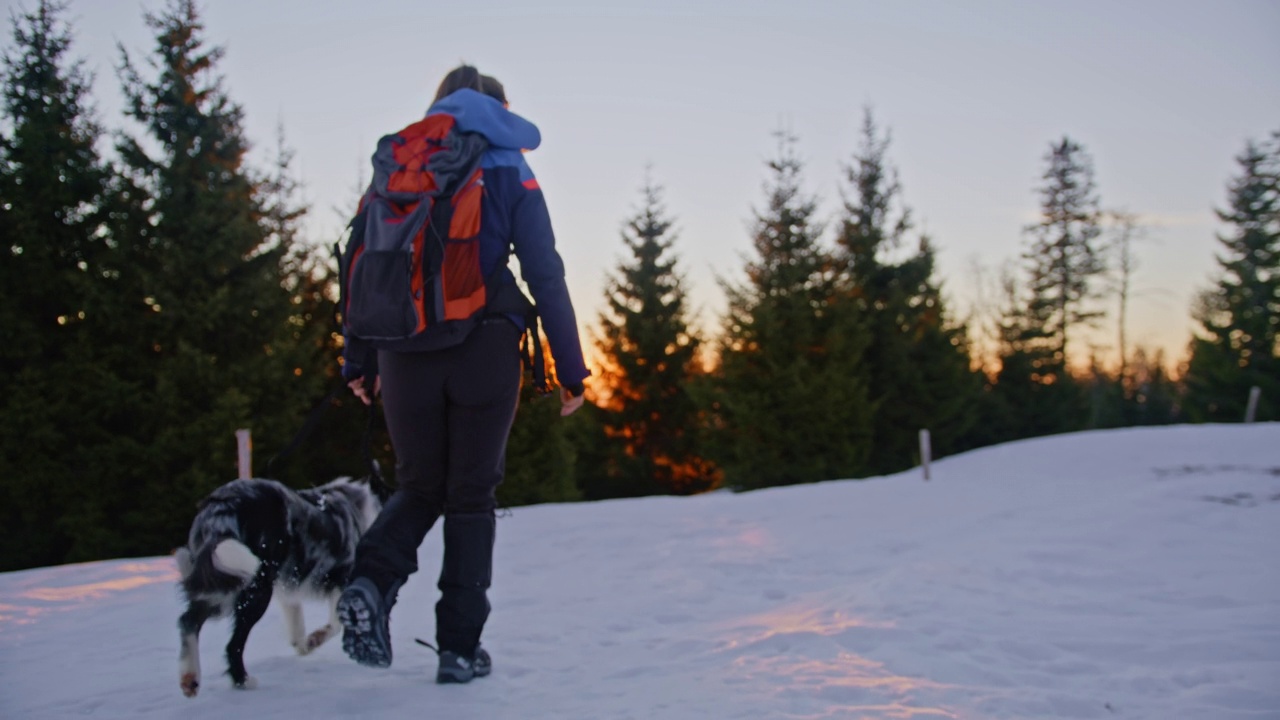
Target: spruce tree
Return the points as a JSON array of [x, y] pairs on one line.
[[309, 341], [790, 395], [1030, 394], [1153, 397], [1034, 392], [650, 357], [542, 456], [56, 399], [217, 342], [1063, 256], [1239, 317], [918, 361]]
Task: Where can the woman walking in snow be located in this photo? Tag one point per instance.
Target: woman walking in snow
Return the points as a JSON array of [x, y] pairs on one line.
[[449, 410]]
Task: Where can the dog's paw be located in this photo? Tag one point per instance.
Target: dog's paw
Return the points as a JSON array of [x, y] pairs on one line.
[[316, 639], [190, 684], [248, 684]]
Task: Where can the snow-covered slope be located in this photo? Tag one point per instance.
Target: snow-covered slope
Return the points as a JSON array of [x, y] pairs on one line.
[[1119, 574]]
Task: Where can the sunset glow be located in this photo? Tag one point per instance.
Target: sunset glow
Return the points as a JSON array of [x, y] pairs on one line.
[[805, 650], [84, 584]]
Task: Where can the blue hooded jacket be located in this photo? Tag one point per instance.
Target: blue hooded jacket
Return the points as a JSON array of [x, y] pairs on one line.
[[513, 216]]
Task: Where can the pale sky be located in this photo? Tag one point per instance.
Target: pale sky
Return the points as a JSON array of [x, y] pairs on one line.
[[1163, 94]]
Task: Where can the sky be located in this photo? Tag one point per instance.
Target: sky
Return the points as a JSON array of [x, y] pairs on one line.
[[1162, 94], [1125, 574]]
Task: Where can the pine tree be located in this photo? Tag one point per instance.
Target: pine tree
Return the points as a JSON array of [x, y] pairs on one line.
[[56, 398], [541, 456], [650, 357], [217, 340], [1031, 394], [1240, 316], [790, 396], [918, 362], [1064, 260], [1152, 397], [1034, 393], [309, 341], [1105, 396]]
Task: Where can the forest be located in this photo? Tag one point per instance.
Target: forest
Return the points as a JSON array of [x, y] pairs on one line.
[[162, 294]]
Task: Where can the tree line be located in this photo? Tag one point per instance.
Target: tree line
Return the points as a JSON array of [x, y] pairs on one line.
[[163, 295]]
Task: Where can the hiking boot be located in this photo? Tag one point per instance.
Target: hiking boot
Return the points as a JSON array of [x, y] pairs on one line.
[[454, 668], [366, 637]]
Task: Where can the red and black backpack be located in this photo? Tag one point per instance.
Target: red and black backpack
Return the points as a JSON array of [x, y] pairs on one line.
[[411, 270]]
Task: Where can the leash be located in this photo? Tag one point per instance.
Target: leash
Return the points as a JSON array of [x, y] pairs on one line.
[[313, 419], [380, 485]]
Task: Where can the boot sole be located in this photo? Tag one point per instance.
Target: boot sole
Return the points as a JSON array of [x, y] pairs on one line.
[[364, 637]]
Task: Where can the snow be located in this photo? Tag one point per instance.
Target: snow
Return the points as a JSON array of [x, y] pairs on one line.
[[1118, 574]]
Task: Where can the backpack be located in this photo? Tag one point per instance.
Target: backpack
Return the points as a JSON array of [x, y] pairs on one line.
[[410, 273]]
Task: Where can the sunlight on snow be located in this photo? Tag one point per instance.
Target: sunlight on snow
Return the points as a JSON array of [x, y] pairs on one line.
[[801, 651], [754, 538], [85, 584], [796, 620]]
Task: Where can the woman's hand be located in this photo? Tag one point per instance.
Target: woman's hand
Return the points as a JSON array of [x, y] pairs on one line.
[[569, 403], [358, 387]]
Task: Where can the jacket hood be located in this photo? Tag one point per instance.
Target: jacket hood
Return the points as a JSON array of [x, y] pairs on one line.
[[475, 112]]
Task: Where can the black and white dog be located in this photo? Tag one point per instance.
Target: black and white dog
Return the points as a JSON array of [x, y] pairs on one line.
[[252, 536]]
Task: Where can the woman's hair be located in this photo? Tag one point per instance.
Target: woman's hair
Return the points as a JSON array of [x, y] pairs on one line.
[[467, 76]]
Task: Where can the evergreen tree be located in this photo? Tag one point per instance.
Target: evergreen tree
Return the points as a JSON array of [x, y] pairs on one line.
[[1239, 317], [1031, 393], [56, 399], [309, 341], [1106, 397], [650, 356], [542, 455], [218, 341], [1034, 393], [1152, 397], [790, 396], [919, 367], [1063, 256]]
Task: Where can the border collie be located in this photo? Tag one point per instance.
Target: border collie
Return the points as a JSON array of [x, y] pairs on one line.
[[252, 536]]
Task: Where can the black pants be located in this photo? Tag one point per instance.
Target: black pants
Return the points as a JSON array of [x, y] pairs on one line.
[[449, 413]]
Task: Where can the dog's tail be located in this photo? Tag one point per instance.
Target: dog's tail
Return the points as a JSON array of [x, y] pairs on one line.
[[224, 567], [235, 558], [186, 565]]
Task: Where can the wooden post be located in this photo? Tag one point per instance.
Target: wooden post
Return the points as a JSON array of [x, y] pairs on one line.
[[925, 452], [244, 449], [1254, 393]]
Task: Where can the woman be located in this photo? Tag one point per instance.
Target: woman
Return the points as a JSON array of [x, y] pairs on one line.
[[449, 411]]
